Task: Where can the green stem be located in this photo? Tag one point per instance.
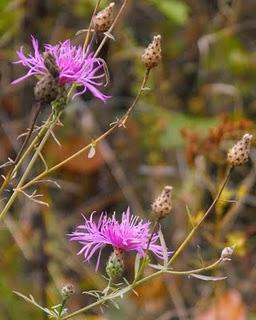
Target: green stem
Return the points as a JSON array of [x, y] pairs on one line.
[[29, 167], [37, 112], [139, 282], [144, 261], [194, 229], [106, 290], [61, 308], [87, 38], [25, 154]]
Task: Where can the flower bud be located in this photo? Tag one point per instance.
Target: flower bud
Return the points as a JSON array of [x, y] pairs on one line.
[[163, 204], [67, 291], [115, 265], [227, 253], [48, 89], [50, 64], [104, 19], [239, 154], [152, 54]]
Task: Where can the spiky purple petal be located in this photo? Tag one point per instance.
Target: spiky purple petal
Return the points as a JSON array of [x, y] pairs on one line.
[[76, 66], [131, 234]]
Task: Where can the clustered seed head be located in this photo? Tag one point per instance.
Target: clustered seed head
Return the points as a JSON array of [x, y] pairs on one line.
[[163, 204], [104, 19], [152, 54], [67, 291], [239, 153], [115, 264]]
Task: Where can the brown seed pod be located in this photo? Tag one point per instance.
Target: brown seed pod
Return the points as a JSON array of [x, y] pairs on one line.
[[152, 54], [239, 153], [104, 19], [163, 204]]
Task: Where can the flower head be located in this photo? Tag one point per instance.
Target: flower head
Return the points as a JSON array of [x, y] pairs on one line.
[[162, 206], [131, 234], [239, 154], [76, 66]]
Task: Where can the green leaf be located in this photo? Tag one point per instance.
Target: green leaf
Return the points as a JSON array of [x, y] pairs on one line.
[[136, 265], [189, 216], [176, 121], [175, 10], [156, 266], [206, 278], [164, 247]]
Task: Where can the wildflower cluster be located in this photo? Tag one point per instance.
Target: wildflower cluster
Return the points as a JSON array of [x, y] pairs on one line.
[[59, 69]]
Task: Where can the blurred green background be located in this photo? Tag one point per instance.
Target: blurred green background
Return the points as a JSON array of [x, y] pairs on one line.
[[202, 100]]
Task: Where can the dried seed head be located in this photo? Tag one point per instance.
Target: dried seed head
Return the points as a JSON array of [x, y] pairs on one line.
[[104, 19], [48, 89], [227, 253], [152, 54], [239, 154], [67, 291], [115, 264], [50, 64], [163, 204]]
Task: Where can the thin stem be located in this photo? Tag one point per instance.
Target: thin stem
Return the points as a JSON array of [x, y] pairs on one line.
[[108, 287], [194, 229], [110, 29], [143, 264], [38, 109], [156, 223], [61, 308], [139, 282], [87, 38], [19, 158], [119, 123], [29, 167]]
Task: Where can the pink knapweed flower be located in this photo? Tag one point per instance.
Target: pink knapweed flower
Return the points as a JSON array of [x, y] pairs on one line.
[[76, 66], [131, 234]]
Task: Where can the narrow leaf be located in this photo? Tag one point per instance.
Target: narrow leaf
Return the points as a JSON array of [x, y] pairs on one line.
[[189, 216], [206, 278], [156, 266], [136, 265], [164, 247]]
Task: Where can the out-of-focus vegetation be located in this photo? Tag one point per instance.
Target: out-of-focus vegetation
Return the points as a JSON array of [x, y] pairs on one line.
[[202, 100]]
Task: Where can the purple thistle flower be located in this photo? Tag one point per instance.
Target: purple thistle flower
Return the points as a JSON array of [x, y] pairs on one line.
[[131, 234], [76, 66]]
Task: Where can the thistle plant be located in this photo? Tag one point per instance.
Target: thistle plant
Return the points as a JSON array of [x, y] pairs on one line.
[[63, 72], [131, 234], [74, 67]]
